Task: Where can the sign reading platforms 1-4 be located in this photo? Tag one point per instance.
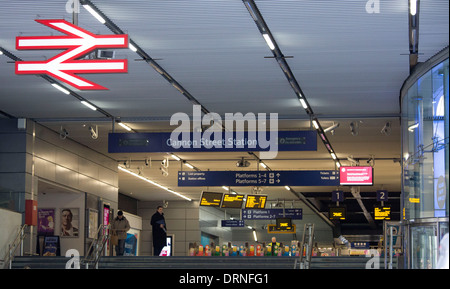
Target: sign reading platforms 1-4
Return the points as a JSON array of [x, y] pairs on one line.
[[257, 178]]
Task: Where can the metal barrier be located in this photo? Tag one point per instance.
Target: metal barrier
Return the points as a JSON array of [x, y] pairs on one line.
[[306, 247], [98, 247], [12, 248]]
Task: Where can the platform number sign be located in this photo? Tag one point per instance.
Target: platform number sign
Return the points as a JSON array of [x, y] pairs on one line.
[[382, 195], [337, 196]]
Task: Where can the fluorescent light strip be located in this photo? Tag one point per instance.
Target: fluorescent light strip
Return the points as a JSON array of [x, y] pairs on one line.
[[413, 7], [124, 126], [175, 157], [250, 10], [153, 183], [132, 47], [94, 13], [189, 165], [60, 88], [88, 105], [412, 127], [315, 124], [303, 103], [225, 188], [269, 41]]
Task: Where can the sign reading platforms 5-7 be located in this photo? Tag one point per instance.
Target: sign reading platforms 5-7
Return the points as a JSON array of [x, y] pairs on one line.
[[77, 42], [257, 178]]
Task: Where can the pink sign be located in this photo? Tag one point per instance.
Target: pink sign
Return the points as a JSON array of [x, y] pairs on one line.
[[358, 176]]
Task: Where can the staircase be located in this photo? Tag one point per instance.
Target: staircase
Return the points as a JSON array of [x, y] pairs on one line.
[[186, 262]]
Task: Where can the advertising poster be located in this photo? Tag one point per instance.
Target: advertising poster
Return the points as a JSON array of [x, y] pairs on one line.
[[70, 222], [131, 245], [51, 246], [46, 222], [93, 224]]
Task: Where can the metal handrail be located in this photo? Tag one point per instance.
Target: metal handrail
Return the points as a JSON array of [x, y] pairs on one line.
[[97, 246], [12, 248], [306, 247]]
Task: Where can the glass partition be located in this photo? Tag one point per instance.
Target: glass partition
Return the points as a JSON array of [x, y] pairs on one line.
[[425, 152], [425, 241]]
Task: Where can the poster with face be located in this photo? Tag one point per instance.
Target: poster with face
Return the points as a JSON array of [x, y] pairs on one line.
[[70, 219]]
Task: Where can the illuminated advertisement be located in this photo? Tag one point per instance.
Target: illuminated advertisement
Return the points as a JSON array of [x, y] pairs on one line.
[[356, 176]]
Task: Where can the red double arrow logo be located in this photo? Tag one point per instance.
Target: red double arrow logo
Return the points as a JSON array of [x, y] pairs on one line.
[[77, 42]]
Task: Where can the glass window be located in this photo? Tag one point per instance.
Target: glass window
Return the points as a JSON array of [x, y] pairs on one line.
[[425, 145]]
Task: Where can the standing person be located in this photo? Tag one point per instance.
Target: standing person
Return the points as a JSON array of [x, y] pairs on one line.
[[159, 231], [120, 226], [274, 245]]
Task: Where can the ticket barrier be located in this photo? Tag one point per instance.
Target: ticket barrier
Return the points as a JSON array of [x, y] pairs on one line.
[[245, 250]]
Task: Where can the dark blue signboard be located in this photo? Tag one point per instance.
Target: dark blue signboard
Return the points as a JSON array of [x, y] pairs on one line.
[[232, 223], [337, 196], [236, 141], [382, 195], [257, 178], [271, 214]]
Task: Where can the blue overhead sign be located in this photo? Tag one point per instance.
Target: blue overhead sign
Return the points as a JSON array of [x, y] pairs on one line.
[[232, 223], [235, 141], [257, 178], [271, 214]]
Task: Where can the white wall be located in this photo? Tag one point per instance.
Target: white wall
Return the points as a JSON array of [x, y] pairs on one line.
[[9, 227], [76, 169], [182, 219]]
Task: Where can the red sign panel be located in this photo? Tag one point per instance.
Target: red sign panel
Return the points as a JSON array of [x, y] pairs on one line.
[[358, 176], [77, 42]]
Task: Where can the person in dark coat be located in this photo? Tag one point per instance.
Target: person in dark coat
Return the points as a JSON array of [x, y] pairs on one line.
[[159, 231]]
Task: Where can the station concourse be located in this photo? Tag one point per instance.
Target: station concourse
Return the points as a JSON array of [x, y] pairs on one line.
[[250, 134]]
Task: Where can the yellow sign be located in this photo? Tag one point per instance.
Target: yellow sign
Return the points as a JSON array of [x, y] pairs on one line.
[[272, 229], [211, 199], [382, 213], [337, 213], [232, 201], [256, 202], [414, 200]]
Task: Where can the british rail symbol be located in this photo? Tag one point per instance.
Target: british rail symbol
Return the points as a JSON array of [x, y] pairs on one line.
[[77, 42]]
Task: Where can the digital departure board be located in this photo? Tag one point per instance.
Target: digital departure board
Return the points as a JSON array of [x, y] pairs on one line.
[[232, 201], [255, 202], [211, 199], [273, 229], [337, 213], [382, 213], [284, 223]]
